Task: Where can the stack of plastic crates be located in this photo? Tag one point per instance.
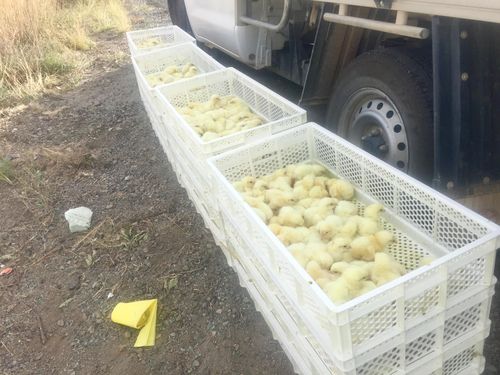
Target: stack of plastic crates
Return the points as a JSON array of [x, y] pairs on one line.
[[433, 320]]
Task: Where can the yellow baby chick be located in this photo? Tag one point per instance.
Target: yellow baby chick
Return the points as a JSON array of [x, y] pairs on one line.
[[306, 202], [307, 182], [373, 211], [386, 269], [313, 215], [384, 237], [329, 227], [338, 291], [277, 198], [192, 71], [291, 235], [321, 181], [350, 227], [275, 228], [338, 247], [367, 226], [260, 186], [171, 69], [365, 247], [299, 171], [314, 270], [340, 189], [345, 209], [283, 183], [354, 275], [318, 192], [339, 267], [290, 217], [300, 192], [323, 258], [245, 184]]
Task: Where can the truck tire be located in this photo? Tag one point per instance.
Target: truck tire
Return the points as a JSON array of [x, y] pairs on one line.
[[382, 102], [178, 15]]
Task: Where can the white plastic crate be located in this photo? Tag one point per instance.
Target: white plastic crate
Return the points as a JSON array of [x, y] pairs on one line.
[[279, 113], [424, 223], [421, 346], [156, 61], [167, 35]]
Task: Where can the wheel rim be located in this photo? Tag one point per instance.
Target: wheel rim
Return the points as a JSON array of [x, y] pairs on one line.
[[370, 120]]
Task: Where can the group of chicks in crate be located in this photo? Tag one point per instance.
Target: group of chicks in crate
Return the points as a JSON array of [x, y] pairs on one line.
[[315, 217], [219, 116], [172, 73], [150, 43]]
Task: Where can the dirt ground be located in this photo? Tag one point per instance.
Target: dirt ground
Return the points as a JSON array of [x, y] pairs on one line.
[[93, 146]]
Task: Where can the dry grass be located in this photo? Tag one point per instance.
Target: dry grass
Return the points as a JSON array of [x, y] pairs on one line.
[[41, 41]]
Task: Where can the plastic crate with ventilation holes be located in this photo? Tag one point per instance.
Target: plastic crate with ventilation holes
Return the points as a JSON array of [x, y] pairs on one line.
[[420, 350], [424, 222], [278, 113], [165, 36]]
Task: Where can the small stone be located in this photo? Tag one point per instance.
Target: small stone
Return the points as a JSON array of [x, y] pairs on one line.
[[196, 363], [60, 323], [127, 178], [73, 282], [218, 311], [109, 206], [78, 219], [127, 334], [98, 321]]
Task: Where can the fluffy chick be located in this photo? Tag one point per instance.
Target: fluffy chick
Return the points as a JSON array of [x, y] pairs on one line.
[[313, 215], [350, 227], [299, 171], [373, 211], [365, 247], [245, 184], [367, 226], [337, 291], [345, 209], [386, 269], [283, 183], [290, 216], [277, 198], [318, 192], [338, 247], [275, 228], [291, 235], [340, 189], [329, 227], [314, 269]]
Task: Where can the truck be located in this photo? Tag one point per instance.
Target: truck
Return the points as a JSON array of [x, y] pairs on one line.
[[414, 82]]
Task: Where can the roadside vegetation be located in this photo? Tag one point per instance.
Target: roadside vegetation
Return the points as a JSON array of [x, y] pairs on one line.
[[44, 44]]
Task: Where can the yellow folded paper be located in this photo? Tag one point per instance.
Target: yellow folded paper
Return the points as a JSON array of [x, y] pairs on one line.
[[140, 315]]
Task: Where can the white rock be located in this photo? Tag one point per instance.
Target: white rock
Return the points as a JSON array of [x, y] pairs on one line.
[[78, 219]]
